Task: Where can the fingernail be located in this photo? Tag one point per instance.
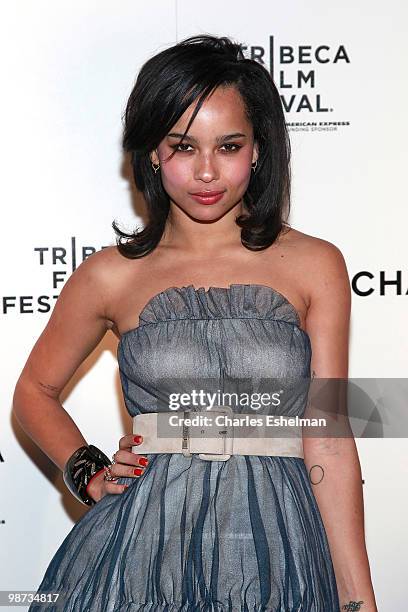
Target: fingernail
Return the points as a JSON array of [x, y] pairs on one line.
[[143, 461], [137, 439], [126, 486], [138, 471]]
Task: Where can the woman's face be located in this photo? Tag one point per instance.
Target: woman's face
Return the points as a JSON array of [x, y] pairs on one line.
[[216, 155]]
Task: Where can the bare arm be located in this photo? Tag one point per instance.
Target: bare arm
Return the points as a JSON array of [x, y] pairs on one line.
[[339, 491], [76, 326]]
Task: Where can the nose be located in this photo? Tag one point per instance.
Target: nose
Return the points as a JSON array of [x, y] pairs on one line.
[[206, 168]]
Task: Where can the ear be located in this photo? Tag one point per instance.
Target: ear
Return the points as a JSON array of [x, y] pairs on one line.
[[255, 153], [154, 158]]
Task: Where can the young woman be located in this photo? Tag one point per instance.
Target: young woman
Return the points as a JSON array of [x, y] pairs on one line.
[[216, 289]]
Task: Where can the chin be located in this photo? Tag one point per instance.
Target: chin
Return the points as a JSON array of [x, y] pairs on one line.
[[209, 211], [206, 215]]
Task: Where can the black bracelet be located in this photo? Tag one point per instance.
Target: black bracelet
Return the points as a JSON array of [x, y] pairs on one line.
[[79, 469]]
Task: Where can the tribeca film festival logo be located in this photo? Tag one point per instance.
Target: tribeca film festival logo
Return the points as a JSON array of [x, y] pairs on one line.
[[58, 262], [294, 69]]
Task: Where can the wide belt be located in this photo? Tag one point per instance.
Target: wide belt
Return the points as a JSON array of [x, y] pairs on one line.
[[213, 443]]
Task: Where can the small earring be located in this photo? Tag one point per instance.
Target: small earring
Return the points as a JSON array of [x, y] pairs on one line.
[[155, 167], [254, 166]]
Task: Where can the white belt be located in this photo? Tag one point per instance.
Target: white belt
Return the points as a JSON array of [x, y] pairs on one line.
[[223, 442]]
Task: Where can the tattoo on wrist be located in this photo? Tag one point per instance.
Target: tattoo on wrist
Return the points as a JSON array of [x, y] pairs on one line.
[[353, 606], [318, 474]]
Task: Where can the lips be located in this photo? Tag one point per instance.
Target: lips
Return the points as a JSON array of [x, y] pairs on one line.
[[207, 194], [207, 197]]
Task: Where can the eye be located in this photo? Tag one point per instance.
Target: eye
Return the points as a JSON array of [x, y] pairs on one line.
[[176, 147], [228, 147], [230, 144]]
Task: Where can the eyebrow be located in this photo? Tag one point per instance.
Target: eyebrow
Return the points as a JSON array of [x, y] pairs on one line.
[[218, 139]]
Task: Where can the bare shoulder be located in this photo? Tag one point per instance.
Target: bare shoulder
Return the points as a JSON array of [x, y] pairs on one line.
[[102, 263], [312, 246], [109, 271], [106, 267], [91, 286], [320, 264]]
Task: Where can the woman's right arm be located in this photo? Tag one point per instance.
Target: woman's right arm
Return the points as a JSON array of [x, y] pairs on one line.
[[76, 326]]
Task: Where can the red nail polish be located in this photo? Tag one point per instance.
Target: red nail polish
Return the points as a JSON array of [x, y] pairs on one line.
[[137, 439], [138, 471], [143, 461]]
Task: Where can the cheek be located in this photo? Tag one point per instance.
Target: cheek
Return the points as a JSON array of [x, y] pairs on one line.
[[239, 172], [175, 177]]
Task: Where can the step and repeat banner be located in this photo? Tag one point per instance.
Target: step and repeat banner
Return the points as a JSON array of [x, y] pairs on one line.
[[68, 69]]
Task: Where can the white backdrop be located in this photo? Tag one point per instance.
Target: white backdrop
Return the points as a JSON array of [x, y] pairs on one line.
[[68, 68]]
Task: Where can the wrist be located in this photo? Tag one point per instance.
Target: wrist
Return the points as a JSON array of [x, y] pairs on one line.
[[92, 484], [361, 600], [80, 468]]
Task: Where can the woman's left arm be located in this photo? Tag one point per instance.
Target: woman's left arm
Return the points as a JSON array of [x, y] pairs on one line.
[[339, 492]]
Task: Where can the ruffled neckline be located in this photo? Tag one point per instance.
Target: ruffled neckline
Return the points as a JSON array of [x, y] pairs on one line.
[[238, 300]]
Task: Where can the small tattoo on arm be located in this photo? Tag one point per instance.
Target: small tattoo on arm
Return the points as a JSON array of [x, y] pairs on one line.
[[48, 387], [318, 474], [353, 606]]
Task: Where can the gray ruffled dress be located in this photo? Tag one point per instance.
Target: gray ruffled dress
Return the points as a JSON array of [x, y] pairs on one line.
[[242, 535]]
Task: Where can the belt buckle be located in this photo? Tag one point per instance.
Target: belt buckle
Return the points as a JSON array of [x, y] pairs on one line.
[[185, 436], [227, 440]]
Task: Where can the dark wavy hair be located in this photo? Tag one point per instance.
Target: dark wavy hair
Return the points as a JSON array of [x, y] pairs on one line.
[[167, 84]]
